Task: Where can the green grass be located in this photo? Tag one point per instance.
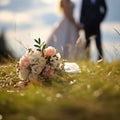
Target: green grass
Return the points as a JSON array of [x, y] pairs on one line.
[[93, 94]]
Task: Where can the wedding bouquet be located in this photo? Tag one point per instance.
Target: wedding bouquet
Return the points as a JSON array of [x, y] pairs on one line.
[[40, 64]]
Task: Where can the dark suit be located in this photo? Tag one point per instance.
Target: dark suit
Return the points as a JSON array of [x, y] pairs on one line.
[[92, 14]]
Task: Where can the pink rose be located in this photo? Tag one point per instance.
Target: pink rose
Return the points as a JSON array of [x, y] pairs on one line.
[[49, 73], [50, 51], [24, 62]]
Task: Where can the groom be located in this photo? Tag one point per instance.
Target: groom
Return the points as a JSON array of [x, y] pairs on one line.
[[93, 13]]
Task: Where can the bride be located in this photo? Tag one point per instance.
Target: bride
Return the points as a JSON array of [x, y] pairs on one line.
[[66, 32]]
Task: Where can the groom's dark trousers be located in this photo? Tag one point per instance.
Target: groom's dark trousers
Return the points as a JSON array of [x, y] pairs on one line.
[[92, 14]]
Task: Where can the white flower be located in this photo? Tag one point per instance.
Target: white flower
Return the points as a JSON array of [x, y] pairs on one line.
[[55, 62], [36, 59], [23, 74], [42, 60], [37, 69], [58, 56], [33, 76]]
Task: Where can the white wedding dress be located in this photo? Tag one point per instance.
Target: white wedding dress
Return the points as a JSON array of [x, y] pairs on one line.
[[64, 37]]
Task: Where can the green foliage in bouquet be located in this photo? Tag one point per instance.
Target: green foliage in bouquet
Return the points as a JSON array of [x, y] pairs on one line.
[[40, 46]]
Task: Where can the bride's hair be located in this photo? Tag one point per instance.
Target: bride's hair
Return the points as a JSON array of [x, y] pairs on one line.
[[60, 5]]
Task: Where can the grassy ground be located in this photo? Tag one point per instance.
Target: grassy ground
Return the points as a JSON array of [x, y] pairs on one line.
[[92, 94]]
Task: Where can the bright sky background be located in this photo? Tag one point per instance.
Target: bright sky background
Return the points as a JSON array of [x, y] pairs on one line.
[[25, 20]]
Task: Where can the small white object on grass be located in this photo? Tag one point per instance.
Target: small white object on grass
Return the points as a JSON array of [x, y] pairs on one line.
[[71, 67]]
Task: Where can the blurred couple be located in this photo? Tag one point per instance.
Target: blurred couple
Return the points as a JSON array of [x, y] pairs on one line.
[[65, 35]]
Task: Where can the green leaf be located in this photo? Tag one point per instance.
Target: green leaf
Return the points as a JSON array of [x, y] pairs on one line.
[[37, 41], [42, 43], [37, 46], [43, 47], [38, 49], [40, 46]]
